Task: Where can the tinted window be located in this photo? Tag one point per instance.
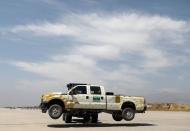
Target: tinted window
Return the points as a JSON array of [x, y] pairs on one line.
[[80, 90], [95, 90]]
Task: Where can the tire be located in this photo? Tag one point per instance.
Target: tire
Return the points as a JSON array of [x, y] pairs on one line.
[[117, 116], [86, 118], [55, 111], [68, 118], [128, 114], [95, 118]]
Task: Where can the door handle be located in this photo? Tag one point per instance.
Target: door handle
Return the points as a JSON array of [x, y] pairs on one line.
[[87, 97], [102, 97]]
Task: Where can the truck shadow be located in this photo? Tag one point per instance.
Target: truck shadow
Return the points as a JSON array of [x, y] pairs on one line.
[[99, 124]]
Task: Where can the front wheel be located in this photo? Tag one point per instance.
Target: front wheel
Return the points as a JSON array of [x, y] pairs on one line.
[[55, 111], [128, 114]]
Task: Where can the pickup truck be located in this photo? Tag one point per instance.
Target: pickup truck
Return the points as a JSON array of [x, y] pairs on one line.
[[87, 101]]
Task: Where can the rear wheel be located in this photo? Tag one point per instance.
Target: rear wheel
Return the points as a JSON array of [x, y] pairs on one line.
[[117, 116], [95, 118], [86, 118], [128, 114], [55, 111]]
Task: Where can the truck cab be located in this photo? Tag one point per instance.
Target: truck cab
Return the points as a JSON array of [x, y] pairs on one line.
[[88, 97]]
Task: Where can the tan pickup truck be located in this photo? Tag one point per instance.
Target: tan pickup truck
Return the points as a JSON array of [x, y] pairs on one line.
[[86, 101]]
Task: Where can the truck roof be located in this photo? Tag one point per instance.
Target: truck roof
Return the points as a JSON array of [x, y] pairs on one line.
[[71, 85]]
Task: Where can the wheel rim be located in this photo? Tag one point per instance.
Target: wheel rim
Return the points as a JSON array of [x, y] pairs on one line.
[[129, 114], [55, 111]]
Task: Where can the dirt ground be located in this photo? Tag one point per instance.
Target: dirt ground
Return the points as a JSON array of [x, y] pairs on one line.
[[34, 120]]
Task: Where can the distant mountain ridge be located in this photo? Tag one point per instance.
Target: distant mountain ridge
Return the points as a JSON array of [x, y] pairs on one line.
[[168, 107]]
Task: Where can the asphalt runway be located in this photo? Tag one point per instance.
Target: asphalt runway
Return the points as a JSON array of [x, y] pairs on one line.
[[34, 120]]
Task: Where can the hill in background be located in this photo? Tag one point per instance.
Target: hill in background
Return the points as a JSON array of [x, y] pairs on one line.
[[168, 107]]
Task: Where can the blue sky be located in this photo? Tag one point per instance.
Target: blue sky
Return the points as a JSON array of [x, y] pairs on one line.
[[130, 47]]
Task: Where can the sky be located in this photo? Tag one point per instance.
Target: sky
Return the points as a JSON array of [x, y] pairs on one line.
[[131, 47]]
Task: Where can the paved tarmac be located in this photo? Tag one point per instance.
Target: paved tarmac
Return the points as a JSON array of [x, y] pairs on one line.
[[34, 120]]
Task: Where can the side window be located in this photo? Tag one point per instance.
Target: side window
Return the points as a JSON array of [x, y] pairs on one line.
[[96, 90], [80, 90]]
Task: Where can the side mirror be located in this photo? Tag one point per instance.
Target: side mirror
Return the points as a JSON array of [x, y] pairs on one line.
[[72, 93]]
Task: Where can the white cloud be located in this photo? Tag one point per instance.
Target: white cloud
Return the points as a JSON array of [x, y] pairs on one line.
[[99, 51], [56, 29], [66, 71], [109, 37], [156, 59]]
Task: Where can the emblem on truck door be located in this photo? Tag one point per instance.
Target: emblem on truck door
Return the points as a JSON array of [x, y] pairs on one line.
[[96, 99]]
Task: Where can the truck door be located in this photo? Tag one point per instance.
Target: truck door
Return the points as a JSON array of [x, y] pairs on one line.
[[97, 98], [80, 97]]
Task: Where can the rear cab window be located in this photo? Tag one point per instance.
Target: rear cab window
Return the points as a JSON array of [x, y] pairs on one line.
[[95, 90]]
